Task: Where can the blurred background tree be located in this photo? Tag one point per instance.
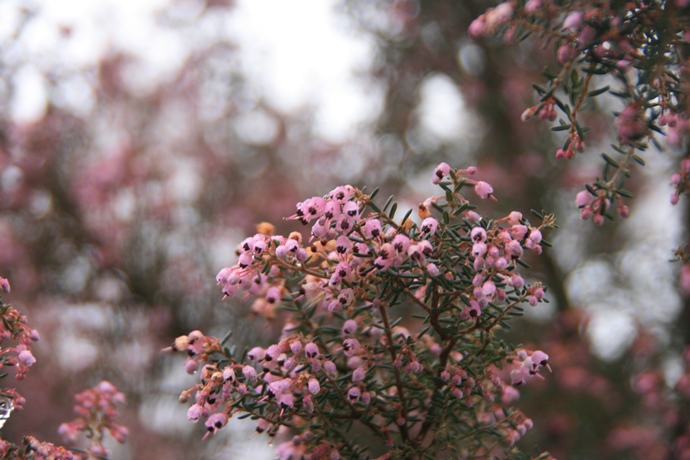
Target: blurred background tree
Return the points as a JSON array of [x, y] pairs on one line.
[[131, 166]]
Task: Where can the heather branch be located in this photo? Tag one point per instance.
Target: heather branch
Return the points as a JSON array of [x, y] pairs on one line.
[[340, 334], [398, 381]]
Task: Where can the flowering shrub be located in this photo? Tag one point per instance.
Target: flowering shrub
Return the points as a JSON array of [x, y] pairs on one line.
[[391, 327], [96, 408], [15, 328], [632, 51]]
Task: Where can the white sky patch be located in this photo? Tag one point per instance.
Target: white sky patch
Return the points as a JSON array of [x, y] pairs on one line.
[[442, 109], [128, 26], [610, 332], [295, 54], [298, 55], [29, 101]]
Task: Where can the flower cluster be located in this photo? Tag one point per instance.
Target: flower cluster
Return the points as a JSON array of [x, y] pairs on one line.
[[389, 323], [14, 327], [680, 180], [33, 449], [663, 410], [530, 365], [638, 44], [597, 207], [97, 410]]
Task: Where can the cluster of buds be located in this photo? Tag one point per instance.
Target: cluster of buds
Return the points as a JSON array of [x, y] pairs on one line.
[[343, 355], [545, 110], [528, 366], [490, 21], [97, 410], [592, 43], [663, 412], [683, 256], [680, 180], [579, 32], [297, 448], [14, 327], [631, 123], [33, 449], [598, 207], [574, 145], [514, 426], [198, 348]]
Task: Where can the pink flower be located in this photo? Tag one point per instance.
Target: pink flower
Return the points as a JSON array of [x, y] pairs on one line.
[[256, 354], [519, 376], [401, 243], [273, 295], [346, 297], [483, 189], [229, 374], [442, 170], [372, 228], [565, 53], [313, 208], [479, 249], [311, 350], [358, 374], [419, 251], [194, 413], [532, 5], [489, 288], [296, 347], [190, 365], [573, 21], [329, 367], [478, 235], [120, 433], [429, 226], [432, 269], [342, 271], [314, 386], [351, 347], [4, 284], [516, 281], [26, 358], [353, 394], [514, 250], [535, 236], [472, 216], [518, 231], [349, 328], [477, 29], [341, 194], [540, 359], [510, 394], [583, 198], [308, 403], [631, 123], [286, 400], [216, 421], [272, 353], [249, 373], [343, 245]]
